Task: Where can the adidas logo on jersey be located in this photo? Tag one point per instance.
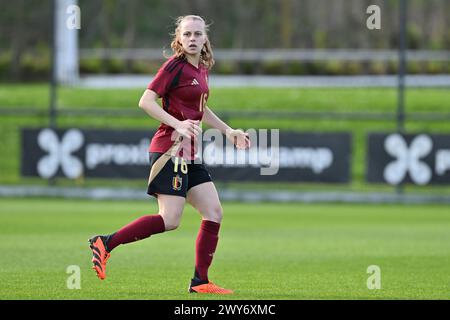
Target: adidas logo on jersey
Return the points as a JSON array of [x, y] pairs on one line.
[[194, 82]]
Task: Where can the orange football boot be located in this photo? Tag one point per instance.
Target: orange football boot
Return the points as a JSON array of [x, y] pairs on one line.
[[209, 288], [100, 256]]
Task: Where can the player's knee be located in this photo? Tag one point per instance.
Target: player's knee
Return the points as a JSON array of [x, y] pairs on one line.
[[218, 213], [214, 213], [171, 219], [172, 225]]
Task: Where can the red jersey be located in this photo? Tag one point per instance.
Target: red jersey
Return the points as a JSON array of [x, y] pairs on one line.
[[184, 92]]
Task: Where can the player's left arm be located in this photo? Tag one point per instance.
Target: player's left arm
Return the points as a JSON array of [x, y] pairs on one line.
[[237, 136]]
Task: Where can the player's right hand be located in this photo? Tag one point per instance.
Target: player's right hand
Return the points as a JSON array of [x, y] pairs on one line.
[[189, 128]]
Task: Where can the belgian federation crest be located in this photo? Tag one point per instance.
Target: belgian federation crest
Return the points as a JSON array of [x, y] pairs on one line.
[[177, 182]]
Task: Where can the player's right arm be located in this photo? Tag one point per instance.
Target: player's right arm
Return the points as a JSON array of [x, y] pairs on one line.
[[186, 128]]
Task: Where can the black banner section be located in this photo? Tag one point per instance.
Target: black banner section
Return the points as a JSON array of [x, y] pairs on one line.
[[74, 153], [419, 159], [274, 155], [301, 157]]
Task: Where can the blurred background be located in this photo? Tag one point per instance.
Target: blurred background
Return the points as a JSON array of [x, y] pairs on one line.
[[357, 89], [304, 67], [26, 27]]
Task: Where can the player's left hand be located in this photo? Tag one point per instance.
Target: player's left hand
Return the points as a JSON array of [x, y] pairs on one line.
[[239, 138]]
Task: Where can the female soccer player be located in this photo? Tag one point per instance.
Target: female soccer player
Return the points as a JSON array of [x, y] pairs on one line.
[[182, 83]]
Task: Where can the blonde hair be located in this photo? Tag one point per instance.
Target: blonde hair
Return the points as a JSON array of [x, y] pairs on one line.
[[206, 54]]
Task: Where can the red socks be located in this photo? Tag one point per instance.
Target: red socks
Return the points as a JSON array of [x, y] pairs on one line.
[[139, 229], [145, 226], [205, 246]]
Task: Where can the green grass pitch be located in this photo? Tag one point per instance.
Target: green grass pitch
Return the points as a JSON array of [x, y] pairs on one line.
[[266, 251]]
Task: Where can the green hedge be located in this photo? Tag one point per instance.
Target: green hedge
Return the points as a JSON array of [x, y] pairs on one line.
[[36, 66]]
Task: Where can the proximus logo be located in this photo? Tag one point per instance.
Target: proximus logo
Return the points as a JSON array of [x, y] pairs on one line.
[[408, 159], [60, 153]]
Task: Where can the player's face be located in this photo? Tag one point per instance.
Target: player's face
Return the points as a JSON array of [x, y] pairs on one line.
[[192, 36]]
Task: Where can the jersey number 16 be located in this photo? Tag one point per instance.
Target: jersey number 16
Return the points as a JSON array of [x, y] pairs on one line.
[[202, 103]]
